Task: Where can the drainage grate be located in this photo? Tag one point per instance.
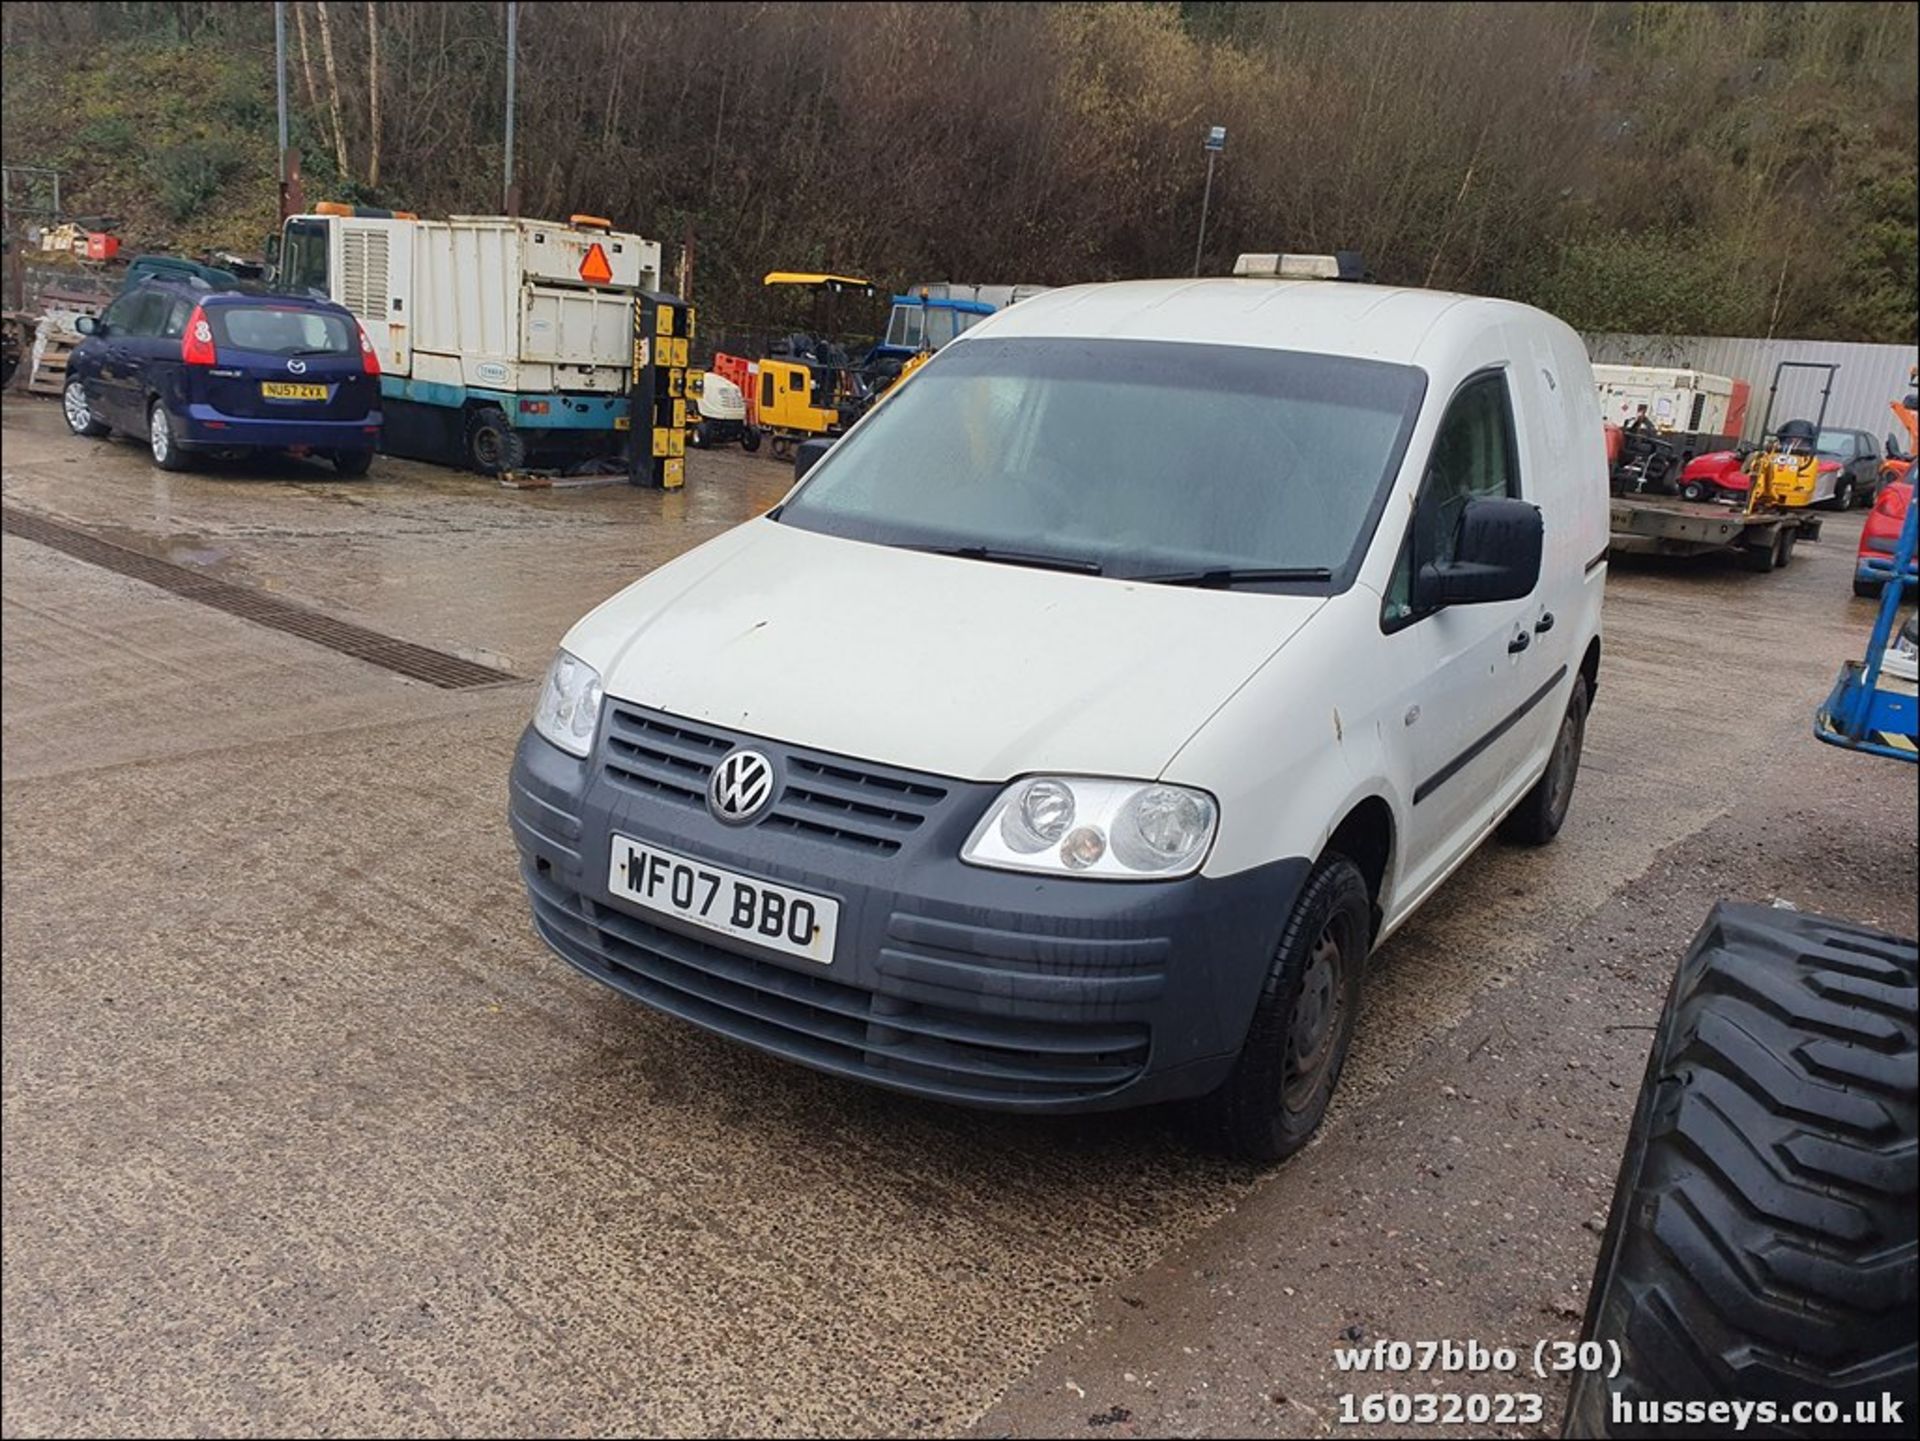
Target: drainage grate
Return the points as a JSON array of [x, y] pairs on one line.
[[402, 657]]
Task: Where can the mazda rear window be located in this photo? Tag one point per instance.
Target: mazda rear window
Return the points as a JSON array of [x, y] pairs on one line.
[[277, 330]]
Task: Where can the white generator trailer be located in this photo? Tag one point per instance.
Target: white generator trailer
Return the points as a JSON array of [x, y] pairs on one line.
[[499, 339], [1695, 411]]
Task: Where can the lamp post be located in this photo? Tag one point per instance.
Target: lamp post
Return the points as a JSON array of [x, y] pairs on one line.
[[509, 199], [1215, 142], [280, 93]]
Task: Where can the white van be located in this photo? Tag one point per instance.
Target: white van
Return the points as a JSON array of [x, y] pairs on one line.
[[1073, 730]]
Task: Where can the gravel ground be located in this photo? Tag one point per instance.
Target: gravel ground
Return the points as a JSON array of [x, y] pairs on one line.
[[304, 1131]]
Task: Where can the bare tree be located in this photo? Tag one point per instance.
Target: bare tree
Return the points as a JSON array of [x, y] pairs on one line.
[[333, 88], [306, 58], [373, 95]]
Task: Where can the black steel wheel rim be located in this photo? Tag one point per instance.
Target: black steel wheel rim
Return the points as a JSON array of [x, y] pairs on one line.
[[1566, 760], [1319, 1017]]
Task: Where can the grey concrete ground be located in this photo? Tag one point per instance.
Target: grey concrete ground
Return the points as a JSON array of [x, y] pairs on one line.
[[304, 1131]]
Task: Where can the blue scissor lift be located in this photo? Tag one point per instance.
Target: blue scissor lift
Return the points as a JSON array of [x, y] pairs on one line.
[[1861, 714]]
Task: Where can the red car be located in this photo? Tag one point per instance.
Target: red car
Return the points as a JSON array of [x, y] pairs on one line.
[[1882, 531]]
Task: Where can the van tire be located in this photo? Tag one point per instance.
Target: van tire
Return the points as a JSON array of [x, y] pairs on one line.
[[1251, 1117], [1762, 1241], [493, 445], [1543, 810], [351, 464], [750, 440]]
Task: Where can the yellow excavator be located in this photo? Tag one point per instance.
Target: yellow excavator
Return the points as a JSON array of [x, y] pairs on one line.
[[1786, 470], [808, 385]]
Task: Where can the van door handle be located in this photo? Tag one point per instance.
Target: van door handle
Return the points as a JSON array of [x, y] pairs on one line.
[[1544, 624], [1519, 643]]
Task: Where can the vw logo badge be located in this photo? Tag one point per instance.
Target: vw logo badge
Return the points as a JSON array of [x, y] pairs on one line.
[[741, 788], [298, 367]]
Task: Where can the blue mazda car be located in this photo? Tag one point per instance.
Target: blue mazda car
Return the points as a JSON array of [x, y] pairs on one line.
[[190, 369]]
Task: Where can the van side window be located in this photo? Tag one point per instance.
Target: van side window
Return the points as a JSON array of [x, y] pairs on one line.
[[176, 325], [1473, 455]]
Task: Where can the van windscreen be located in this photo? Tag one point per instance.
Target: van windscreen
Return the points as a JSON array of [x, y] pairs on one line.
[[1141, 458], [281, 330]]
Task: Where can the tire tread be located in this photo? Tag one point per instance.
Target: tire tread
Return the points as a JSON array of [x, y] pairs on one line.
[[1762, 1243]]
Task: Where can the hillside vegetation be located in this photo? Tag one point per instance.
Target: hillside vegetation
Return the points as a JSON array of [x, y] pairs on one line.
[[1691, 168]]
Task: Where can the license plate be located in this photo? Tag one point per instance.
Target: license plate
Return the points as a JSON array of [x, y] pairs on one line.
[[776, 917], [281, 390]]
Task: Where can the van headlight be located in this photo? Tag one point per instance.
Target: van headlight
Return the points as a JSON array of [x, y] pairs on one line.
[[569, 704], [1086, 826]]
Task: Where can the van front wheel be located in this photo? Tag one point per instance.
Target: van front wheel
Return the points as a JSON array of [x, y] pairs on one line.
[[1271, 1103]]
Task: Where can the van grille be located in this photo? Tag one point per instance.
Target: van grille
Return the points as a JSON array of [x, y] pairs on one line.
[[842, 802]]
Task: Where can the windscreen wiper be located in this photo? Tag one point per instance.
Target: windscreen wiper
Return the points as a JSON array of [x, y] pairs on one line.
[[1226, 576], [1012, 557]]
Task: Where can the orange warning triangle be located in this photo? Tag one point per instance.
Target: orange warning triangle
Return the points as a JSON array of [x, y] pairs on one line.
[[594, 269]]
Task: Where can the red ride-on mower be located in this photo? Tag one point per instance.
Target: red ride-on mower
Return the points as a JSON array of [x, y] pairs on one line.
[[1722, 475]]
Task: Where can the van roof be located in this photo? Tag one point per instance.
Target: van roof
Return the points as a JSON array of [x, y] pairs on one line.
[[1321, 316]]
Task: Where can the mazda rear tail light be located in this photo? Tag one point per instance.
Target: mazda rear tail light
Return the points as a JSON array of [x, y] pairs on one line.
[[196, 346]]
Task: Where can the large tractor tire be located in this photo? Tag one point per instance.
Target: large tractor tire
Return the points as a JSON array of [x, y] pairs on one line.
[[1762, 1244]]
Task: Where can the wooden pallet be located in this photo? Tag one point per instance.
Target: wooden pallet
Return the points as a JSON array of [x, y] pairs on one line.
[[50, 374]]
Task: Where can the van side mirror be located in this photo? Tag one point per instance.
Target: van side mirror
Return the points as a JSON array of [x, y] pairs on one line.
[[1496, 557], [807, 455], [87, 325]]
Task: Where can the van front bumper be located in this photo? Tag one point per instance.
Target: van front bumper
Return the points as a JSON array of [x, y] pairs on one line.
[[982, 987]]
